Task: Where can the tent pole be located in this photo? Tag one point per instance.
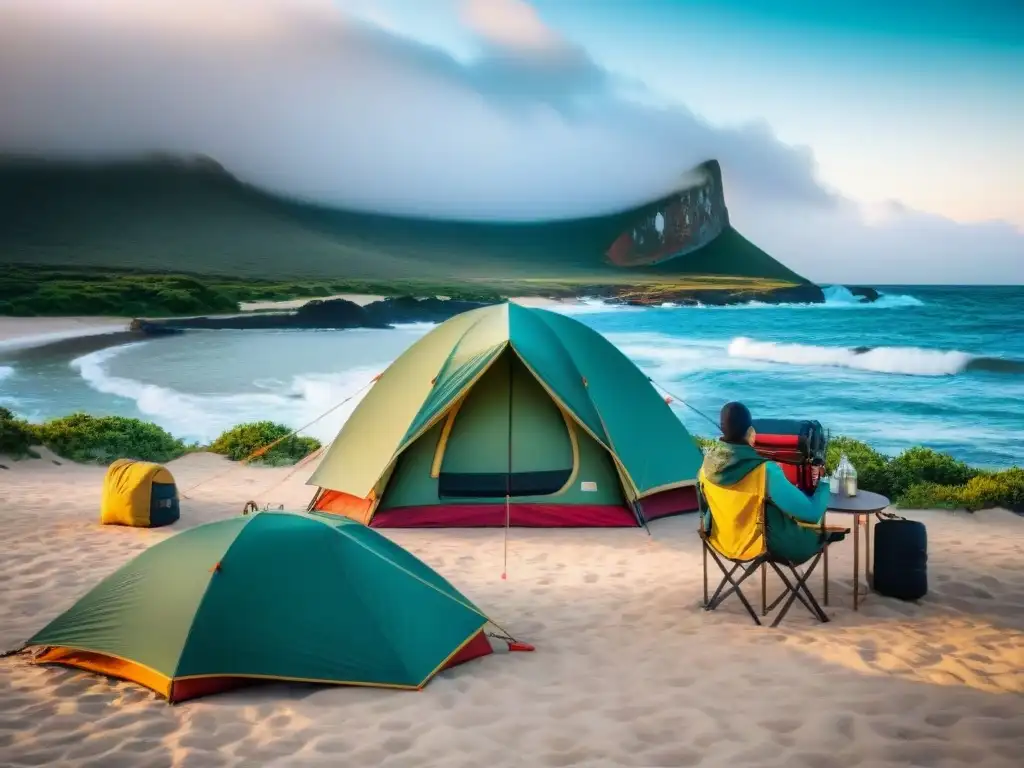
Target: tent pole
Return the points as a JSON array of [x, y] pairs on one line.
[[508, 476]]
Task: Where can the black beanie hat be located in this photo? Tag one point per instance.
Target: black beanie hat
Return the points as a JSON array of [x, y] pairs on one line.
[[735, 420]]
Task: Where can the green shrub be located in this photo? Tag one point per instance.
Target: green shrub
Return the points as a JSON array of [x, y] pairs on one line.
[[16, 436], [995, 489], [931, 496], [102, 439], [244, 440], [923, 465], [984, 490], [871, 466]]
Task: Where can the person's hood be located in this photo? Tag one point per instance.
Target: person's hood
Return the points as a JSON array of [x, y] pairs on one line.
[[728, 463]]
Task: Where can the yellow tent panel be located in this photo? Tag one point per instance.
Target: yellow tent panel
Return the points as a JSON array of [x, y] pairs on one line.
[[139, 494]]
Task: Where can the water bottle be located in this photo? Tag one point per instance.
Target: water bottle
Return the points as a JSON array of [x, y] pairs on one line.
[[846, 477], [850, 481]]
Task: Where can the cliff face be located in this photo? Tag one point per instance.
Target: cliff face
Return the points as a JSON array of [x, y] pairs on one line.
[[676, 225]]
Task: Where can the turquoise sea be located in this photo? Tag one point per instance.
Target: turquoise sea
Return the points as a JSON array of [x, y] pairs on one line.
[[937, 366]]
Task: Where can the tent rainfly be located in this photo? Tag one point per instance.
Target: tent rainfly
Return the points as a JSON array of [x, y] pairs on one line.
[[270, 596], [510, 415]]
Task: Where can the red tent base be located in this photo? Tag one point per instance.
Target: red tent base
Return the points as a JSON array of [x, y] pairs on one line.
[[670, 502], [193, 688], [493, 516]]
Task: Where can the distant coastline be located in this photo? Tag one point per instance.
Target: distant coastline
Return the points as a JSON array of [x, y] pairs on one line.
[[168, 299]]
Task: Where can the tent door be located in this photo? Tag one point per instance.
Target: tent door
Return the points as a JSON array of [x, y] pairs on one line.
[[508, 437], [163, 504]]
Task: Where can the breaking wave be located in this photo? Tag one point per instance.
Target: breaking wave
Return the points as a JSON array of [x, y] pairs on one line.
[[836, 297], [910, 361], [5, 372], [202, 418]]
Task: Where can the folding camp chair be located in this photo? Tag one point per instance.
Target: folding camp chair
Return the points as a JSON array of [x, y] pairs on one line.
[[739, 539]]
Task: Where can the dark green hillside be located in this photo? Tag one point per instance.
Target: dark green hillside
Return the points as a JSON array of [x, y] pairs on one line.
[[192, 217]]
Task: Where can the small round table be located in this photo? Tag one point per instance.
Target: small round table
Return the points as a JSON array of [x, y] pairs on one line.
[[862, 507]]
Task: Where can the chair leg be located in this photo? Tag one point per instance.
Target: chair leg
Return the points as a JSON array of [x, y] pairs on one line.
[[795, 586], [748, 570], [718, 597], [704, 558], [799, 589], [764, 589]]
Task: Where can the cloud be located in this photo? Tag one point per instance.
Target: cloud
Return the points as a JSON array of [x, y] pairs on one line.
[[297, 97], [511, 24], [897, 245]]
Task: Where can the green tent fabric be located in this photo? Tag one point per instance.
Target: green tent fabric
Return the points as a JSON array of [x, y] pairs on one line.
[[274, 595], [506, 376]]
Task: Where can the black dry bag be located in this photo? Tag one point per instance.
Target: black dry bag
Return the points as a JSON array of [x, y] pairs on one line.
[[901, 558]]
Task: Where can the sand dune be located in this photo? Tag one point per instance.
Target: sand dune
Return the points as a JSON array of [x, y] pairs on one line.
[[629, 671]]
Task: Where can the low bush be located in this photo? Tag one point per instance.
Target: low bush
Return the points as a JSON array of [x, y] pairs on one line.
[[102, 439], [983, 491], [16, 436], [923, 465], [244, 440]]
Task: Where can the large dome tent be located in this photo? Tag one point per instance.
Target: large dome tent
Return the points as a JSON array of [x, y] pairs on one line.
[[510, 415]]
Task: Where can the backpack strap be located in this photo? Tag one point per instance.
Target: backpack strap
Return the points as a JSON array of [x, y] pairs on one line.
[[889, 516]]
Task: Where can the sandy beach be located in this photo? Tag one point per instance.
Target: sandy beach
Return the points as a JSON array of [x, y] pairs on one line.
[[21, 332], [628, 669]]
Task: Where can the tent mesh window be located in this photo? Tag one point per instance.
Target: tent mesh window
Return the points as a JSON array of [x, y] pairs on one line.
[[491, 485]]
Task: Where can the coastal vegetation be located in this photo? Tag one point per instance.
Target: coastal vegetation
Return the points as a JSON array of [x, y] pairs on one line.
[[264, 441], [102, 439], [30, 291], [918, 478], [69, 291]]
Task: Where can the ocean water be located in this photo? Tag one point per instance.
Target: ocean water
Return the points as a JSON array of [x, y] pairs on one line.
[[942, 367]]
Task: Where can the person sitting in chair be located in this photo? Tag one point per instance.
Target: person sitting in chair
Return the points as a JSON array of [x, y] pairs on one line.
[[733, 458]]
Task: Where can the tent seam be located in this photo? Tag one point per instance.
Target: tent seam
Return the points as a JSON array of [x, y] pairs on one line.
[[206, 592]]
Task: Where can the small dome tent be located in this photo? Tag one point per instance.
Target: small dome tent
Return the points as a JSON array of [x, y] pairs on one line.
[[517, 403], [139, 494], [271, 596]]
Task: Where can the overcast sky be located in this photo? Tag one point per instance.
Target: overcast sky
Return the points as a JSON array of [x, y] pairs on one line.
[[498, 109]]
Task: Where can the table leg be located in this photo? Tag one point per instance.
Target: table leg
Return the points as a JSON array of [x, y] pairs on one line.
[[823, 533], [856, 558], [867, 551]]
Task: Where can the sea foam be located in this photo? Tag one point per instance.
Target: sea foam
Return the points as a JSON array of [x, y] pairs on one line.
[[202, 418], [911, 361]]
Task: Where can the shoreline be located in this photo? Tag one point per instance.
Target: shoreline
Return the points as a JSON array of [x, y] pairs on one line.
[[18, 334]]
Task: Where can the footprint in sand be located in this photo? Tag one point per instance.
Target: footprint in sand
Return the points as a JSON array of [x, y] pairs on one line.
[[590, 578], [782, 725], [942, 719], [676, 756], [825, 760]]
